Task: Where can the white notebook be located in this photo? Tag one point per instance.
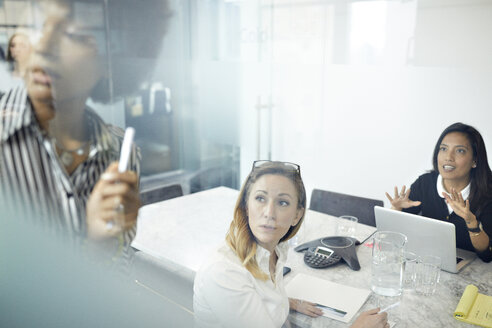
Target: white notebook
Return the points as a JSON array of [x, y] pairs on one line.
[[339, 302]]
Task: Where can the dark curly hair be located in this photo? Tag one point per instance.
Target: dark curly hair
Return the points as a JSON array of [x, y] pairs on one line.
[[134, 32]]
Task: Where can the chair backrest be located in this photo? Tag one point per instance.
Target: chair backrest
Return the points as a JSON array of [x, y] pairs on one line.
[[337, 204], [160, 193], [212, 177]]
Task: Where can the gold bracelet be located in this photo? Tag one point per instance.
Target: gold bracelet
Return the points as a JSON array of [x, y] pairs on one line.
[[475, 234]]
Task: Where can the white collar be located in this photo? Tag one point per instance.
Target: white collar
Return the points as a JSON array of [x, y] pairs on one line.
[[263, 256], [440, 189]]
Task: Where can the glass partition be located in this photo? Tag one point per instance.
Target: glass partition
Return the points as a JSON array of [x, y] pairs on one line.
[[174, 77], [233, 81]]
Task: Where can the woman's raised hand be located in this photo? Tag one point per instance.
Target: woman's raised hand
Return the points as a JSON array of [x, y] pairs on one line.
[[401, 200], [460, 206]]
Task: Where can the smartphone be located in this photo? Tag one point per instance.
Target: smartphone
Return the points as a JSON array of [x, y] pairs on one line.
[[286, 270], [126, 148]]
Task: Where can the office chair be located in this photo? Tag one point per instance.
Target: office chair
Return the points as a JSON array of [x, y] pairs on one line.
[[211, 177], [337, 204], [160, 193]]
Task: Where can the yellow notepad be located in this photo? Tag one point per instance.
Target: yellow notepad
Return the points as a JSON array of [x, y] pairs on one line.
[[474, 308]]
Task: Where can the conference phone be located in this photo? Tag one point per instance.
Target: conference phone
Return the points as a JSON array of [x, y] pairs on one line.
[[327, 251]]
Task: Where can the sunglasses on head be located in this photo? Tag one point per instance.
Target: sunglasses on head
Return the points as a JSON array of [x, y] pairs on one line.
[[286, 165]]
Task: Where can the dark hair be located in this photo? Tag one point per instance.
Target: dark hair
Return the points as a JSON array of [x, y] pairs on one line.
[[480, 176], [140, 28], [136, 32]]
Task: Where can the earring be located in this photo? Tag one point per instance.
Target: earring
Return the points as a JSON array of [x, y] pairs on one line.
[[474, 165]]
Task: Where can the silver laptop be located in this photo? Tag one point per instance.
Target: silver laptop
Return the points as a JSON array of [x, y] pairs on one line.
[[425, 237]]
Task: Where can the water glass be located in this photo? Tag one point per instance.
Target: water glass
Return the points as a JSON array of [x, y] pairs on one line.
[[346, 226], [409, 270], [296, 240], [428, 272]]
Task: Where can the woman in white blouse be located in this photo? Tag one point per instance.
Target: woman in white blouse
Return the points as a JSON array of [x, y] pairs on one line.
[[241, 284], [18, 51]]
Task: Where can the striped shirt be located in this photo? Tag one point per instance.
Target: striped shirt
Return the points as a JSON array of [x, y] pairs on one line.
[[32, 176]]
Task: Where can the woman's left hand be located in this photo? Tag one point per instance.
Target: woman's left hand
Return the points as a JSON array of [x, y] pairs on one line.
[[305, 307], [460, 206]]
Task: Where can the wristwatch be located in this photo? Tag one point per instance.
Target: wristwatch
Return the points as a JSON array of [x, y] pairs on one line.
[[477, 229]]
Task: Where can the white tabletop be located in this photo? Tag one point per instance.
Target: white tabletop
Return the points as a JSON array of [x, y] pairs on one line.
[[183, 231], [186, 229]]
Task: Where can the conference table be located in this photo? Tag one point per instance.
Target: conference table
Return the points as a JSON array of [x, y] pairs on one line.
[[181, 232]]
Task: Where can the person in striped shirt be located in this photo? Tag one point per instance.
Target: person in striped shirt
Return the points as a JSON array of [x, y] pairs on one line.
[[57, 156]]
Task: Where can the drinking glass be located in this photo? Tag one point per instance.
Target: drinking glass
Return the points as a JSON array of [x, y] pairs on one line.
[[428, 272], [296, 240], [409, 269], [346, 225]]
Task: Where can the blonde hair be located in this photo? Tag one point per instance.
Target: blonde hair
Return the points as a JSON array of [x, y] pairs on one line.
[[240, 237]]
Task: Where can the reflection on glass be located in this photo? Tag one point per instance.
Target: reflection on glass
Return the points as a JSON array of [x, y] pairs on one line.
[[18, 51], [57, 154], [104, 58]]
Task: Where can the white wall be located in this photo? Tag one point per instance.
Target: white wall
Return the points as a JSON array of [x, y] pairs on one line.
[[371, 122], [361, 90], [377, 127]]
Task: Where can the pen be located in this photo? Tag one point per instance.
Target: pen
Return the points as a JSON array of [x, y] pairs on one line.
[[389, 307], [126, 148], [125, 154], [335, 311]]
